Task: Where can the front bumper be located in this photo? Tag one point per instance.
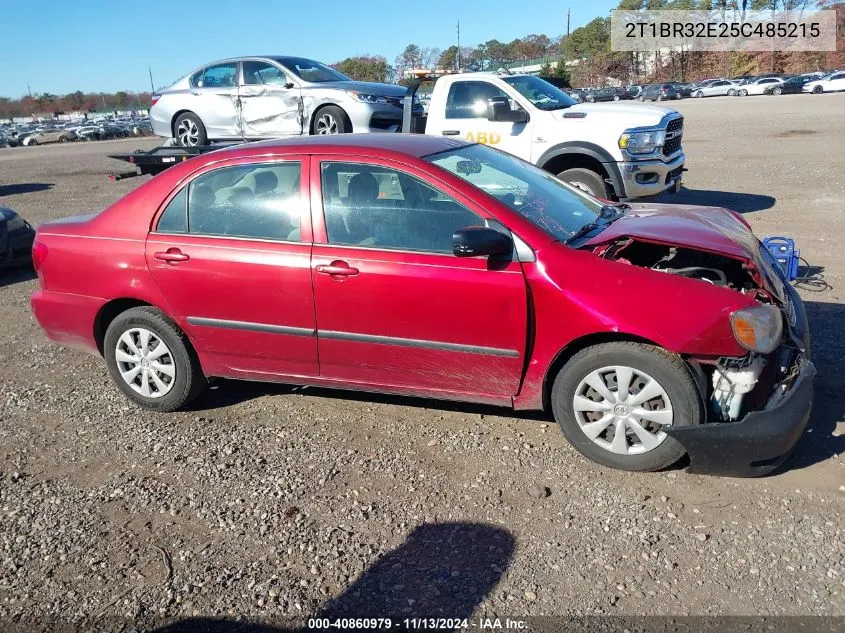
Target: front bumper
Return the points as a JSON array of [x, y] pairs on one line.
[[643, 178], [757, 444], [16, 247], [376, 117]]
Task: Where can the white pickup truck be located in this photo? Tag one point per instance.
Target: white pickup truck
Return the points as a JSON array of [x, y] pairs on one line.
[[612, 151]]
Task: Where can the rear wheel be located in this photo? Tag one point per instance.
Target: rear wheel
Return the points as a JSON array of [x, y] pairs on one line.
[[150, 360], [640, 98], [817, 90], [616, 97], [189, 130], [698, 94], [743, 93], [331, 120], [660, 97], [614, 402], [731, 92], [63, 139], [585, 180]]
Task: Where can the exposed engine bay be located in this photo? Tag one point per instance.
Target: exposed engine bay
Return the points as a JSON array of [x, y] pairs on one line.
[[677, 260]]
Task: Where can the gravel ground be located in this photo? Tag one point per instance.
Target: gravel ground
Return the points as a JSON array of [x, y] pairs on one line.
[[267, 501]]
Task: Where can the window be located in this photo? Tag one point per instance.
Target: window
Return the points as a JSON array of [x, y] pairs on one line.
[[259, 201], [196, 79], [378, 207], [839, 76], [175, 216], [542, 94], [262, 73], [468, 99], [220, 76], [311, 71]]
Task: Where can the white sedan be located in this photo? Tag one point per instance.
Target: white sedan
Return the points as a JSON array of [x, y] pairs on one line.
[[758, 86], [834, 81]]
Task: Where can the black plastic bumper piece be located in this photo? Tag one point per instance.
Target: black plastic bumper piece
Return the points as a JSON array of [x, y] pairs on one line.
[[16, 247], [757, 444]]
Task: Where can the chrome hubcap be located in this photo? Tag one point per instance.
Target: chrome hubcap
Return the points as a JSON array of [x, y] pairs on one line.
[[145, 363], [623, 410], [188, 133], [326, 124]]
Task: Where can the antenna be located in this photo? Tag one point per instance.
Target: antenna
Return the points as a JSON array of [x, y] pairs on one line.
[[152, 87], [567, 22], [458, 55]]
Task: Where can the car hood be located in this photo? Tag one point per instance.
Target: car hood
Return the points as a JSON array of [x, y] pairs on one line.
[[711, 229], [367, 87], [630, 115]]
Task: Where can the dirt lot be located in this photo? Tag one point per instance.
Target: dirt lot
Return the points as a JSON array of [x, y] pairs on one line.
[[266, 501]]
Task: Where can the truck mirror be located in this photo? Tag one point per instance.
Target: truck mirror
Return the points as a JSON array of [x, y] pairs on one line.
[[498, 109]]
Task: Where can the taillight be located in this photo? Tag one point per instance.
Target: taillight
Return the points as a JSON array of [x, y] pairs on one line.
[[154, 100], [39, 254]]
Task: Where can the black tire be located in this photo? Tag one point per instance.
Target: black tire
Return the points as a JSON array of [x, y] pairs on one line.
[[63, 139], [585, 180], [32, 142], [189, 381], [777, 91], [698, 94], [641, 98], [189, 131], [742, 93], [660, 97], [616, 97], [669, 370], [331, 120], [817, 90]]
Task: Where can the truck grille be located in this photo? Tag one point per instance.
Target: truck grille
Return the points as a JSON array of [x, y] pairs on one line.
[[675, 129]]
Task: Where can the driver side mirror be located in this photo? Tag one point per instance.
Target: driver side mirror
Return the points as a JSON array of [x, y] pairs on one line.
[[498, 109], [473, 241]]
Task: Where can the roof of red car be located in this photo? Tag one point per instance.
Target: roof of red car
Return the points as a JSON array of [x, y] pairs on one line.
[[413, 144]]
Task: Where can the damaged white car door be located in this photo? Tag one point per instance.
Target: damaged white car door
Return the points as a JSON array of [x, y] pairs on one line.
[[214, 98], [270, 102]]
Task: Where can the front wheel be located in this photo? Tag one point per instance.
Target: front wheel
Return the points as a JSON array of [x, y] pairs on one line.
[[150, 360], [698, 94], [777, 91], [743, 93], [587, 181], [817, 90], [731, 92], [660, 97], [615, 401], [331, 120], [189, 130], [616, 97], [641, 99]]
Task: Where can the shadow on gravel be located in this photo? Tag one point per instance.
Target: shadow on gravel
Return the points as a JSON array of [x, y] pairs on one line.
[[11, 276], [229, 392], [441, 570], [828, 350], [739, 202], [27, 187]]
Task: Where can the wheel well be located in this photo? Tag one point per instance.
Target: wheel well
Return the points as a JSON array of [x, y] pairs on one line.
[[576, 346], [108, 313], [173, 122], [323, 107], [562, 162]]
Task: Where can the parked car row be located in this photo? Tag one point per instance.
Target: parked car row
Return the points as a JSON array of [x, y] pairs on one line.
[[40, 133]]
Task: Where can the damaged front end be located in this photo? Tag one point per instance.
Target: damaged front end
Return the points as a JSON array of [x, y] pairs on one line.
[[757, 404]]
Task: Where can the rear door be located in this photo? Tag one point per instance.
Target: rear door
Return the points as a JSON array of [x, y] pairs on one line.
[[231, 253], [837, 82], [395, 308], [214, 98], [271, 104]]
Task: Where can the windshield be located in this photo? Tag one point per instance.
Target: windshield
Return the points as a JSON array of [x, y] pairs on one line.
[[311, 71], [555, 207], [541, 93]]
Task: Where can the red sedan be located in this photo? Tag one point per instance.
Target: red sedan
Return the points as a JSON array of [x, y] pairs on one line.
[[440, 268]]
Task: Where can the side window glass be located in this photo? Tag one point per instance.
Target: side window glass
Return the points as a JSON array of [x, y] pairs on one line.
[[220, 76], [468, 99], [175, 216], [196, 79], [259, 201], [378, 207], [262, 73]]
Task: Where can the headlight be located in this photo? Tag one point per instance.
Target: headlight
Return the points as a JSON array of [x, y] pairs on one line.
[[642, 142], [758, 329], [15, 223], [368, 98]]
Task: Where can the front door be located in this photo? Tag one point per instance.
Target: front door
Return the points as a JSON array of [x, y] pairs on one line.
[[270, 102], [466, 117], [231, 254], [395, 308], [214, 98]]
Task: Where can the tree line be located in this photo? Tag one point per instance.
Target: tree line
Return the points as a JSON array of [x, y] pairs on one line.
[[585, 53]]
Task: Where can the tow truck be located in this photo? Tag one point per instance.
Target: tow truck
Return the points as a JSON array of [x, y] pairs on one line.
[[611, 151]]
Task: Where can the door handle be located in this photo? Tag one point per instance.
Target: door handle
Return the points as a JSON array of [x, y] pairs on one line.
[[451, 132], [337, 268], [172, 255]]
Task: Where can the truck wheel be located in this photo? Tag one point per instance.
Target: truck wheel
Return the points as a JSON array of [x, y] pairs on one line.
[[189, 130], [150, 360], [614, 400], [585, 180], [331, 120]]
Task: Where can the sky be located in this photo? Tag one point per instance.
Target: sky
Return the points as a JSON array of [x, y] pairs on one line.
[[106, 46]]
